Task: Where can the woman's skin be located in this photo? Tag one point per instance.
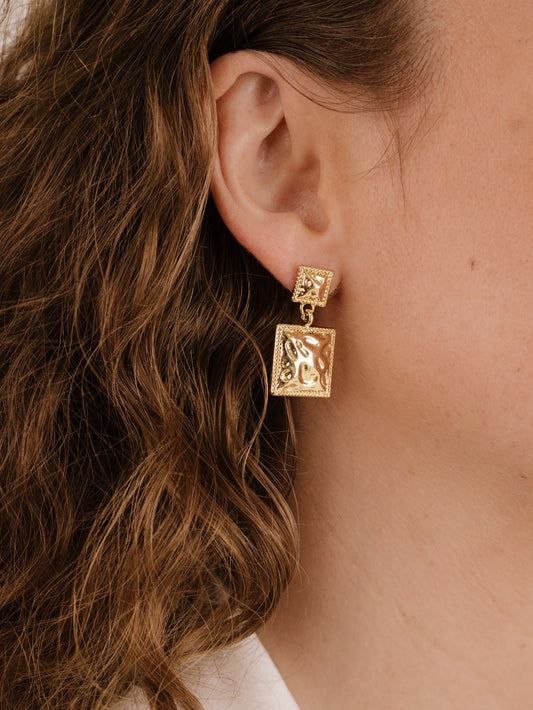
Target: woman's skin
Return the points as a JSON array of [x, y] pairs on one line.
[[414, 490]]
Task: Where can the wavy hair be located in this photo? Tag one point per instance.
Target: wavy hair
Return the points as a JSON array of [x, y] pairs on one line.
[[144, 471]]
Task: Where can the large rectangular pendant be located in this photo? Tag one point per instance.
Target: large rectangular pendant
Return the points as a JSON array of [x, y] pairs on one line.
[[303, 361]]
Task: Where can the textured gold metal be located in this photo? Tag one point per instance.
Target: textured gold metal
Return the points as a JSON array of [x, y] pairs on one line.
[[303, 355], [312, 285], [303, 361]]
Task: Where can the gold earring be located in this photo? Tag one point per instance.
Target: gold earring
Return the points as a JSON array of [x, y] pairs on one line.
[[303, 356]]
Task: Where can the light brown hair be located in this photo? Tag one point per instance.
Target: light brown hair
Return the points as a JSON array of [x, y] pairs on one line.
[[144, 470]]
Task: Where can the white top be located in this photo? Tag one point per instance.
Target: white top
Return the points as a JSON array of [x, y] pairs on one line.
[[241, 677]]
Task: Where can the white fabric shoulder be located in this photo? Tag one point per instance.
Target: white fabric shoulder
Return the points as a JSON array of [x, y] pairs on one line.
[[241, 677]]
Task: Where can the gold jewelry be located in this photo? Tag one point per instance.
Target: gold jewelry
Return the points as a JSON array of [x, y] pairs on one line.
[[303, 356]]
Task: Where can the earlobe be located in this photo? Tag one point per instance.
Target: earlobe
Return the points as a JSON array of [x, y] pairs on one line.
[[267, 169]]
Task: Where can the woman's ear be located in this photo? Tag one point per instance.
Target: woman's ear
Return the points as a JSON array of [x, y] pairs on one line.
[[267, 175]]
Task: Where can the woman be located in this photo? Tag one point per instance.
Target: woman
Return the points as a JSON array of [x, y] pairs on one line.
[[165, 168]]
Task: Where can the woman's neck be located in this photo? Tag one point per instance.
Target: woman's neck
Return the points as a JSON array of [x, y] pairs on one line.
[[416, 579]]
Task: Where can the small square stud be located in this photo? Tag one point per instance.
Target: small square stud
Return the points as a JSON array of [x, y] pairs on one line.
[[312, 285], [303, 361]]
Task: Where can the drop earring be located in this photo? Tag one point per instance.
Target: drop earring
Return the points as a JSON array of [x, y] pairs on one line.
[[303, 355]]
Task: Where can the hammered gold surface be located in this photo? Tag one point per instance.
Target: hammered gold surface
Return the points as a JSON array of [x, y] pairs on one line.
[[312, 285], [303, 361]]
